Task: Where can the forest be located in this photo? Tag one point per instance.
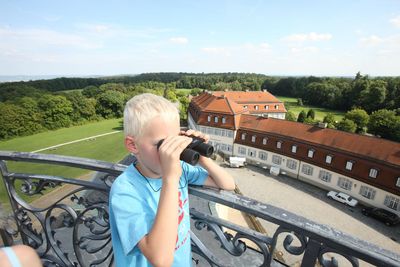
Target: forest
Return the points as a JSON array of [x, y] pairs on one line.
[[372, 104]]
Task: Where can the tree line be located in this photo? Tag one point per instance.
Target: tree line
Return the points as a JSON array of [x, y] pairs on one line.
[[36, 110], [34, 106]]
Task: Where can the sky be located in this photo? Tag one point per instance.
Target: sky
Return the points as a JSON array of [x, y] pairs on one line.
[[285, 37]]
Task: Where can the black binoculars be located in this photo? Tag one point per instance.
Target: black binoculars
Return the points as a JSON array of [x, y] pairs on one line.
[[191, 154]]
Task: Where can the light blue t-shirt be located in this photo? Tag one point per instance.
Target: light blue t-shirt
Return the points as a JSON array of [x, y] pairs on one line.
[[133, 208]]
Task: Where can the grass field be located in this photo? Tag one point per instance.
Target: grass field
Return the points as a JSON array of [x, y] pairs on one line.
[[108, 148], [320, 113]]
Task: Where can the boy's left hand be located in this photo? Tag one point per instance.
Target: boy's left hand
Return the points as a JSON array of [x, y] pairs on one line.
[[198, 134]]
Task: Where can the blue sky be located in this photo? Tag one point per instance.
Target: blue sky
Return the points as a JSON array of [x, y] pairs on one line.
[[323, 38]]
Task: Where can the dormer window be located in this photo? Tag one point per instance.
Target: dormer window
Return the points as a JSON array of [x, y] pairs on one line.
[[279, 144], [256, 107], [311, 153], [266, 107], [328, 159], [243, 136], [253, 139], [215, 119], [245, 106], [294, 148], [265, 140], [223, 120], [208, 118], [373, 173], [349, 165], [276, 106], [398, 182]]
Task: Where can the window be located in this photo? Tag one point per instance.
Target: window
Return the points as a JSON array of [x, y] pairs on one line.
[[349, 165], [242, 150], [245, 106], [266, 107], [344, 183], [256, 107], [279, 144], [307, 169], [223, 120], [243, 136], [325, 176], [208, 118], [229, 133], [276, 159], [311, 153], [291, 164], [262, 155], [265, 140], [373, 173], [392, 202], [223, 132], [294, 148], [251, 152], [215, 119], [367, 192], [210, 130], [253, 139], [398, 182], [328, 159], [276, 106]]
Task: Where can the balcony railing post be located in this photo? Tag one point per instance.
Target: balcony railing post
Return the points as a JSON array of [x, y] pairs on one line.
[[311, 254]]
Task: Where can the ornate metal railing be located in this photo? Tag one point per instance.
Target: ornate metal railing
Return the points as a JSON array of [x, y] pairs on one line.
[[73, 229]]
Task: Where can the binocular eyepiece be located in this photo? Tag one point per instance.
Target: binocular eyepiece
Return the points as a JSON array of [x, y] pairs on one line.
[[191, 154]]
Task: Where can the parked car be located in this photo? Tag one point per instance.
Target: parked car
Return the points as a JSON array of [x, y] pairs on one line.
[[389, 218], [343, 198]]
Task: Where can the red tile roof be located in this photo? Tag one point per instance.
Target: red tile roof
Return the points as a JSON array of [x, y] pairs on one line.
[[366, 146], [232, 102]]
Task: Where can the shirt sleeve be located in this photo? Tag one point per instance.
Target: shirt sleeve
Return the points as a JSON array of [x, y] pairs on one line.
[[195, 175], [132, 217]]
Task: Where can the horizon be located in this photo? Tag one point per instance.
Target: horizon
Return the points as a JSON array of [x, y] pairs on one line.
[[285, 38]]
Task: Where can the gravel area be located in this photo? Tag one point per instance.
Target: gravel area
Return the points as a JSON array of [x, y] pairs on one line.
[[311, 202]]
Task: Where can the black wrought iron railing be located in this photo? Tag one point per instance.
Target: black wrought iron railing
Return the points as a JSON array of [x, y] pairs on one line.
[[71, 228]]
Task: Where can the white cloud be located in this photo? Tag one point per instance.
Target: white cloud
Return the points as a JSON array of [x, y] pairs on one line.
[[179, 40], [396, 21], [371, 40], [312, 36], [307, 49]]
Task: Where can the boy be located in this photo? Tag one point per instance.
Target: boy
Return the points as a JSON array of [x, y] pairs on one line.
[[149, 209]]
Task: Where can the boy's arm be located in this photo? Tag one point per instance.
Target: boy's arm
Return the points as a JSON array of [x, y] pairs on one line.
[[217, 176], [158, 246]]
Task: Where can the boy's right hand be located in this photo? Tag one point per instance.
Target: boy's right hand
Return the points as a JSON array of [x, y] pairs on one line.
[[169, 153]]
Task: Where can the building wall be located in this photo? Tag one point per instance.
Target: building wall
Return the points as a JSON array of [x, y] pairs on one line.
[[364, 193]]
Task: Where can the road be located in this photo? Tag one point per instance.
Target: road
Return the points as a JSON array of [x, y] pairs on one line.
[[311, 202]]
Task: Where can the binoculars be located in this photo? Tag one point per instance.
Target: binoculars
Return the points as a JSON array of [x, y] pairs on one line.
[[191, 154]]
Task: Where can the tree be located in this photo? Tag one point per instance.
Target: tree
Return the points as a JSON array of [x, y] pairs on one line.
[[330, 120], [302, 116], [110, 104], [311, 114], [13, 121], [299, 101], [384, 123], [290, 116], [360, 117], [374, 95], [346, 125], [56, 111], [83, 108]]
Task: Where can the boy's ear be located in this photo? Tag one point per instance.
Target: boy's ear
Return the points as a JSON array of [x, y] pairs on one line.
[[131, 145]]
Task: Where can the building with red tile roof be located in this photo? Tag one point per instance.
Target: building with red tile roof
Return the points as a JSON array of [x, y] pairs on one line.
[[365, 167]]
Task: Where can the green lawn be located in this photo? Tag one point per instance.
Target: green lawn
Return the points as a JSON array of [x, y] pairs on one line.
[[320, 113], [108, 148]]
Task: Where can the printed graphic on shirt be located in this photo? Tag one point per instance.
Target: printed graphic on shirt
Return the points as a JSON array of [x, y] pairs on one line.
[[183, 228]]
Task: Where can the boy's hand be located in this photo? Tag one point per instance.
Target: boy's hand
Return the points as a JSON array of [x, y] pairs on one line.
[[169, 152], [198, 134]]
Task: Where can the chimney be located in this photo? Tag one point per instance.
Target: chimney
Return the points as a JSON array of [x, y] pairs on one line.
[[322, 125]]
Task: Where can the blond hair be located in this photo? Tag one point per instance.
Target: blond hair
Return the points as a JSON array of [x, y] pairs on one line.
[[141, 109]]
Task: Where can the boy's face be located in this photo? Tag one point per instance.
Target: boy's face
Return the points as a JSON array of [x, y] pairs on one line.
[[147, 153]]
